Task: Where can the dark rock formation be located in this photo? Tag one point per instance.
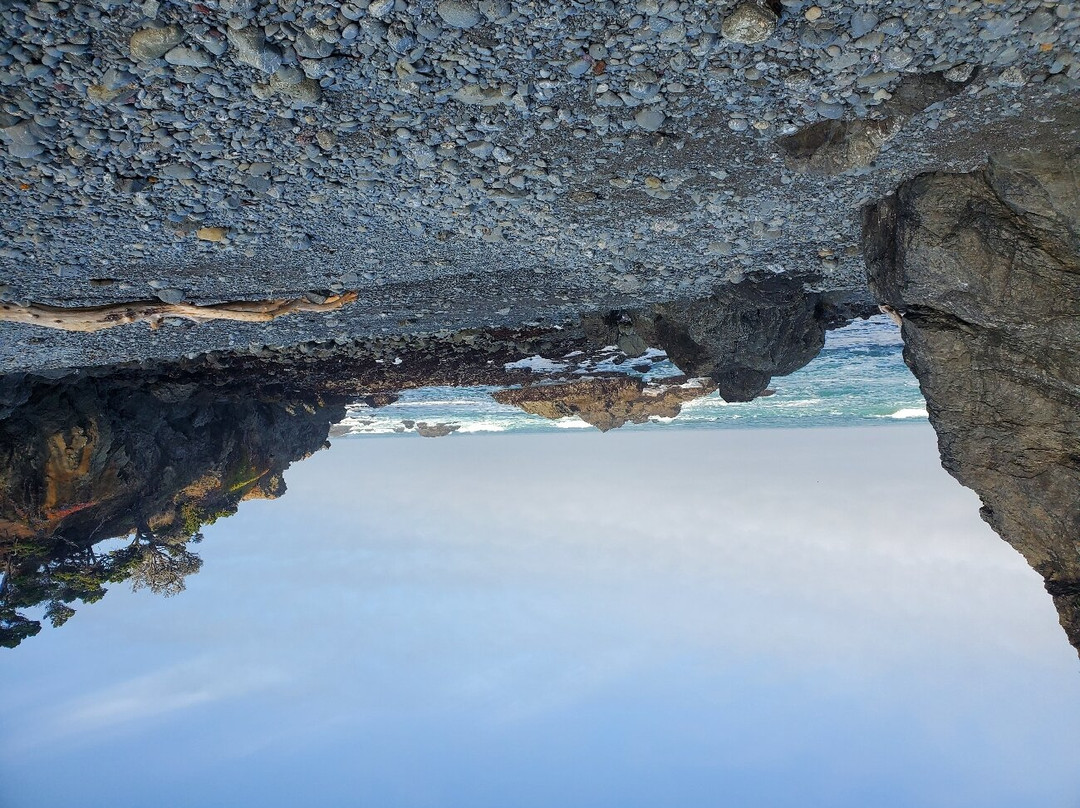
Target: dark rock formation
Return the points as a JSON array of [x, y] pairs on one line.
[[440, 430], [740, 337], [607, 403], [985, 268], [833, 147], [149, 454], [95, 456]]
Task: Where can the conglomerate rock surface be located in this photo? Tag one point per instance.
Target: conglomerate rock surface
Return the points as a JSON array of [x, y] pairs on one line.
[[985, 268]]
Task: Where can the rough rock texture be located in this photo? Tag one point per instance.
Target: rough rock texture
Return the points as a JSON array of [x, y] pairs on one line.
[[469, 164], [153, 454], [740, 337], [606, 403], [426, 430], [93, 456], [749, 23], [833, 147], [985, 268]]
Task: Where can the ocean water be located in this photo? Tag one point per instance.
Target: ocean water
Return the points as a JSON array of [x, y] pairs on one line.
[[859, 378]]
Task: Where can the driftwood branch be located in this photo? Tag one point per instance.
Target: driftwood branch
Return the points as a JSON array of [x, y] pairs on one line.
[[97, 318], [894, 315]]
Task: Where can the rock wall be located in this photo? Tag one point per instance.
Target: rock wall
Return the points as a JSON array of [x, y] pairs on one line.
[[985, 269], [151, 454], [90, 458]]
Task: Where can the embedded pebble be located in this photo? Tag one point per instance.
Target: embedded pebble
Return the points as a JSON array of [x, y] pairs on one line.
[[459, 13], [148, 44], [252, 49], [170, 295], [213, 234], [749, 23], [188, 57], [650, 119], [862, 23]]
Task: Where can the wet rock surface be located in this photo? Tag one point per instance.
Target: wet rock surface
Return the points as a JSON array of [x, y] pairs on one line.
[[607, 403], [736, 339], [985, 268]]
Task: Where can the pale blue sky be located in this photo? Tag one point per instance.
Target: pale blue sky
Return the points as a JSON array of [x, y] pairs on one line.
[[700, 618]]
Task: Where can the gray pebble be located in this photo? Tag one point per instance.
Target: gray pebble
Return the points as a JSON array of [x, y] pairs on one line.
[[459, 13], [177, 171], [862, 23], [1012, 77], [252, 49], [579, 67], [650, 119], [24, 140], [1038, 22], [480, 148], [496, 10], [170, 295], [153, 43], [188, 57], [749, 24], [831, 111], [380, 8]]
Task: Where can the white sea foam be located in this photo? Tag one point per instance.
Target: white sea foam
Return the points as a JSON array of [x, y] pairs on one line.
[[573, 422], [485, 426], [859, 378], [911, 412], [537, 364]]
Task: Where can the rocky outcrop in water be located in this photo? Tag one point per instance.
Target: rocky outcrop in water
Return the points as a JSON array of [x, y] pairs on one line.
[[740, 336], [607, 403], [985, 268]]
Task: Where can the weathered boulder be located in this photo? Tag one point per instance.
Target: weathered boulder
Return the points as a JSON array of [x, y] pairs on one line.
[[740, 336], [440, 430], [985, 269], [607, 403]]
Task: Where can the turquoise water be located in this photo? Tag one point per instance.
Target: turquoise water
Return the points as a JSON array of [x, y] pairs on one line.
[[859, 378]]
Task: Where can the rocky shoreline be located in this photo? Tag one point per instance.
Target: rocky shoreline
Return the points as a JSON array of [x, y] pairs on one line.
[[160, 449], [499, 179], [482, 167]]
